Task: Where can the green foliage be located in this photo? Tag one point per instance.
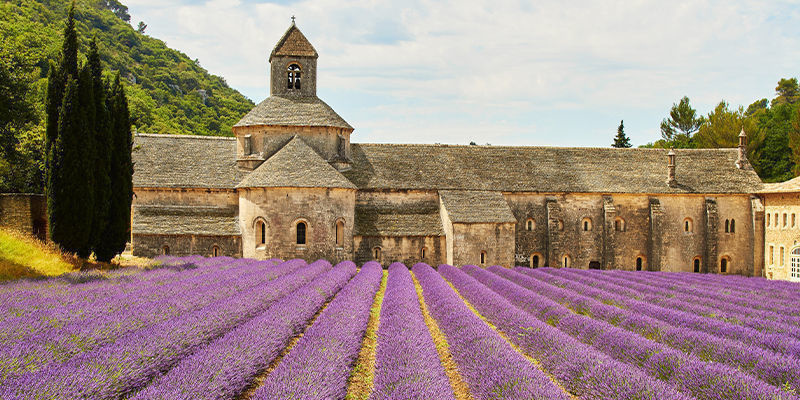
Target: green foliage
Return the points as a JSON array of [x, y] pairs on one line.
[[621, 141], [677, 130], [167, 91], [787, 91]]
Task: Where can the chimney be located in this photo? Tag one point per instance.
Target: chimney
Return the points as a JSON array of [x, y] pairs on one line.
[[671, 181], [248, 147], [741, 162]]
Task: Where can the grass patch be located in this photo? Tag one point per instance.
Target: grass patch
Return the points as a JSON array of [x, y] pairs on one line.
[[25, 257], [361, 382]]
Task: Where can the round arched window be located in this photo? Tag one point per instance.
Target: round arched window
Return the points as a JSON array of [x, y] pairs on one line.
[[293, 76]]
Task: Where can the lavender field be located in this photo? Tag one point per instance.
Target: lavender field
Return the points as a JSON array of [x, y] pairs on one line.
[[224, 328]]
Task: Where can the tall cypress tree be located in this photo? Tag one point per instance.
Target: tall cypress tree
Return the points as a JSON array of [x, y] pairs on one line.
[[102, 155], [621, 141], [117, 231]]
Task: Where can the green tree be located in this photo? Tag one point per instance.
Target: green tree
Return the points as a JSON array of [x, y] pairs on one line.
[[117, 228], [621, 140], [787, 91], [722, 127], [774, 162], [683, 122]]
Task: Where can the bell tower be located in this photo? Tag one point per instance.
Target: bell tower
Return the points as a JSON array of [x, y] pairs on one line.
[[293, 65]]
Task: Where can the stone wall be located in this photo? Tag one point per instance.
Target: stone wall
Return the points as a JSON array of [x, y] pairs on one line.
[[404, 249], [145, 245], [25, 213], [496, 240], [308, 75], [282, 208], [779, 236], [269, 139]]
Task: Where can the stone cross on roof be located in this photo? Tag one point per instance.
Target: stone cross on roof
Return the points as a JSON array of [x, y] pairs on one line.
[[292, 19]]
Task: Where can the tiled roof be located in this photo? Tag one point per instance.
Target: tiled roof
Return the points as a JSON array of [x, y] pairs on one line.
[[293, 111], [792, 185], [184, 161], [409, 219], [185, 220], [293, 43], [296, 165], [546, 169], [469, 206]]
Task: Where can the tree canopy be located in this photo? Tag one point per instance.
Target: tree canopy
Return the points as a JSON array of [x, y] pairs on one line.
[[621, 141]]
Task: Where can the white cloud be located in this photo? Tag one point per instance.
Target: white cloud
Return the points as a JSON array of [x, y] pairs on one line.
[[445, 70]]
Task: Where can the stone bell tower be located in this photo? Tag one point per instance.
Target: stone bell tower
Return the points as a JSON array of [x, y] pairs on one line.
[[293, 65]]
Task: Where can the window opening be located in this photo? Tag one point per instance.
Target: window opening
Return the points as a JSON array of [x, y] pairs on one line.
[[376, 252], [339, 233], [301, 233], [733, 226], [535, 261], [794, 274], [723, 265], [293, 75], [215, 251], [165, 250], [483, 257], [697, 265], [529, 225], [423, 253], [638, 263]]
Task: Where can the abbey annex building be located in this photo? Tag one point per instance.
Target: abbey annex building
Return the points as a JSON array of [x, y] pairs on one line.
[[291, 184]]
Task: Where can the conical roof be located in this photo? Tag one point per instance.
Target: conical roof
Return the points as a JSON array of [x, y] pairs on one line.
[[293, 43], [296, 165]]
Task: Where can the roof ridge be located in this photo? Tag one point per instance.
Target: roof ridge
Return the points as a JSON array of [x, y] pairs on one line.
[[181, 136], [285, 37], [537, 147]]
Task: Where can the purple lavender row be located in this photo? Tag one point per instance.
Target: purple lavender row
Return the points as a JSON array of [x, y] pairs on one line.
[[766, 322], [114, 371], [224, 368], [57, 346], [487, 362], [36, 301], [766, 365], [320, 363], [747, 285], [687, 373], [407, 365], [582, 370], [776, 342], [756, 302], [76, 311]]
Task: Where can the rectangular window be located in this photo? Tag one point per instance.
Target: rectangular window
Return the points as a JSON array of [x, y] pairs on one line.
[[782, 259], [771, 255], [768, 218], [784, 220], [794, 220]]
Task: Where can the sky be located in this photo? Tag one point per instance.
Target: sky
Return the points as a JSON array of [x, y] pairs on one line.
[[555, 73]]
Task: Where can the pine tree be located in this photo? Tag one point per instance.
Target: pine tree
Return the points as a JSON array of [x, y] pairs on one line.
[[621, 141], [117, 231], [102, 155]]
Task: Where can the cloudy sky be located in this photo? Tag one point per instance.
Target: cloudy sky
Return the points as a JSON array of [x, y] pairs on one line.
[[501, 72]]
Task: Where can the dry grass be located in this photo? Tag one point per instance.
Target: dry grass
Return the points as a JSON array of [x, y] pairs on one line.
[[517, 348], [23, 256], [460, 388], [361, 382]]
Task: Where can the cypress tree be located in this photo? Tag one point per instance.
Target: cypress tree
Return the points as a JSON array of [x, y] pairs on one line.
[[102, 155], [117, 231], [621, 141]]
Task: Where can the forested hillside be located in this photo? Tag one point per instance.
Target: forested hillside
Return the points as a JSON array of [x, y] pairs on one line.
[[167, 91]]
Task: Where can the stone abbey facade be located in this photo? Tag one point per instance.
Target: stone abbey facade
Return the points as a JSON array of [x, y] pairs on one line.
[[291, 184]]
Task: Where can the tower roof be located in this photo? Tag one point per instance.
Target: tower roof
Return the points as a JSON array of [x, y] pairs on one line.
[[293, 111], [293, 43]]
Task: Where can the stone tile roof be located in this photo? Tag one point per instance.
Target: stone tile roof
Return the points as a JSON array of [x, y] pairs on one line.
[[185, 220], [296, 165], [172, 161], [374, 218], [546, 169], [468, 206], [293, 43], [293, 111], [792, 185]]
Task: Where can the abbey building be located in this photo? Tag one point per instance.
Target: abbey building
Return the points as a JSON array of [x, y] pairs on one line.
[[291, 184]]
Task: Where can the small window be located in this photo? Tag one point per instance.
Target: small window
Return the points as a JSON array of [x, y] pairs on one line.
[[376, 253], [567, 261], [776, 222], [771, 255], [165, 250], [340, 233], [534, 261], [639, 263], [293, 75], [723, 265], [586, 223], [688, 225], [697, 264], [530, 225], [733, 226], [301, 232], [619, 224], [782, 258], [214, 251], [422, 253], [727, 226], [794, 220], [785, 220], [261, 231], [483, 257], [768, 218]]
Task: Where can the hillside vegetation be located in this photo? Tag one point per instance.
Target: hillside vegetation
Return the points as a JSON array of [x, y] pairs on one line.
[[168, 92]]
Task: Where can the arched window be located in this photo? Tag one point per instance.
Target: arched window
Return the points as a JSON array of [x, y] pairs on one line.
[[733, 226], [697, 264], [727, 226], [530, 225], [214, 251], [422, 253], [794, 273], [619, 224], [376, 253], [165, 250], [794, 220], [293, 75], [340, 233], [261, 233], [785, 220], [639, 263], [567, 261], [483, 257], [586, 223], [771, 255], [768, 218], [782, 258], [535, 259], [724, 264], [776, 222], [688, 225], [301, 232]]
